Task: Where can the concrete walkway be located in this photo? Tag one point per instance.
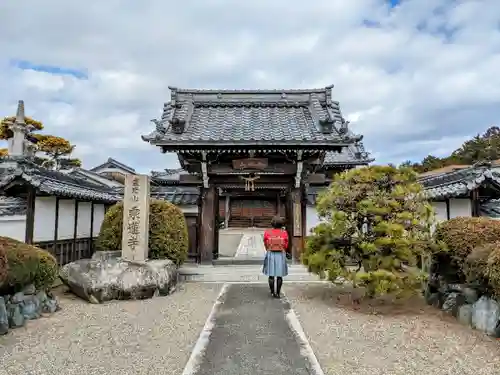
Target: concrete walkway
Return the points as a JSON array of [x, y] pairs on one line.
[[248, 332]]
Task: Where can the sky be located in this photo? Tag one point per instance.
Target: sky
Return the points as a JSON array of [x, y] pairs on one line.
[[415, 77]]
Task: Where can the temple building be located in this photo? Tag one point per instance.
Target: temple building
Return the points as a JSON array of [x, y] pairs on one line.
[[248, 155]]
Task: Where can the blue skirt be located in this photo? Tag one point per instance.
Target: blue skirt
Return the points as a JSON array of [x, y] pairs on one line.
[[275, 264]]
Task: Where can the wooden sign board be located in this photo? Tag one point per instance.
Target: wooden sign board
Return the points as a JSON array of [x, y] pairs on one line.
[[297, 220], [316, 178], [250, 163]]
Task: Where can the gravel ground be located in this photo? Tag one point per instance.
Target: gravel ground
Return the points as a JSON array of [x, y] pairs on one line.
[[153, 336], [386, 338]]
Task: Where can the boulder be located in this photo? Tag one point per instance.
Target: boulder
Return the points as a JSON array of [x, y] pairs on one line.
[[464, 315], [4, 317], [486, 315], [16, 317], [105, 279], [31, 308]]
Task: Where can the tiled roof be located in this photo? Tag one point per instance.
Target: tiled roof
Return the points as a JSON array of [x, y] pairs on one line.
[[459, 182], [10, 206], [490, 208], [258, 117], [177, 195], [168, 175], [54, 182], [114, 163], [353, 154]]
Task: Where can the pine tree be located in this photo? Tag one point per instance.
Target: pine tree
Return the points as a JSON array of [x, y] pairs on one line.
[[378, 218]]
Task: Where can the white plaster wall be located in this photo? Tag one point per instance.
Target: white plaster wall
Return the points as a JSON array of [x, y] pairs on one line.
[[66, 219], [312, 218], [98, 218], [440, 210], [83, 224], [13, 227], [189, 209], [45, 216], [460, 207]]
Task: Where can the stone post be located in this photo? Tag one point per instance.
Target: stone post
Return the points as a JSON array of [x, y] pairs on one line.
[[18, 128], [136, 218]]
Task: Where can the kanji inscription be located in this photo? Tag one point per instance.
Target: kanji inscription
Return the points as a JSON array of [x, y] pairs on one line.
[[135, 218]]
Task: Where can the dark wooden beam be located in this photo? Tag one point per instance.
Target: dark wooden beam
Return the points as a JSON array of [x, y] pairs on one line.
[[91, 227], [447, 201], [475, 203], [30, 215], [209, 207], [56, 225], [75, 231]]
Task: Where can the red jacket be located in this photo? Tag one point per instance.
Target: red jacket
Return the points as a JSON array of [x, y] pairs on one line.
[[276, 239]]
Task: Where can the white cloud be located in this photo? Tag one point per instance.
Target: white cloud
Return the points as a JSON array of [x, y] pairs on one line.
[[420, 82]]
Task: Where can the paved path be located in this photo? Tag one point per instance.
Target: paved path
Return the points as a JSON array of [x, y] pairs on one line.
[[248, 332], [251, 245]]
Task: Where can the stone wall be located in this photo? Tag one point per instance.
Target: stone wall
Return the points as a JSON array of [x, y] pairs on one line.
[[469, 304], [17, 309]]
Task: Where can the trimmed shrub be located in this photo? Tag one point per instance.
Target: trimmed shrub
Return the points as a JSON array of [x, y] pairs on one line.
[[492, 271], [476, 262], [27, 264], [3, 265], [168, 236], [463, 234]]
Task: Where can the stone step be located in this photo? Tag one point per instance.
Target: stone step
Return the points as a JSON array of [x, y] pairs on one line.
[[248, 273], [223, 261]]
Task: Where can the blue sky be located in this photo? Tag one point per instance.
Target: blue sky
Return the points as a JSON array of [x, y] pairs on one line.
[[55, 70], [414, 77]]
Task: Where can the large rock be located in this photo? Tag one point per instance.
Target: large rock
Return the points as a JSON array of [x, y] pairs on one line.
[[105, 279], [486, 315], [4, 318]]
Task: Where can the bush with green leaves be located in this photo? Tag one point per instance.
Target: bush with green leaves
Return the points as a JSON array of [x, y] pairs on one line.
[[379, 218], [168, 236], [26, 264], [492, 270], [3, 265], [462, 235]]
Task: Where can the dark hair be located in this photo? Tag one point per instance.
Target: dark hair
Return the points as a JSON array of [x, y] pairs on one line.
[[277, 222]]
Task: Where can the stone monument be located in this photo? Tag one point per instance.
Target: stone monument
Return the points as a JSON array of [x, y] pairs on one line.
[[136, 218], [125, 274]]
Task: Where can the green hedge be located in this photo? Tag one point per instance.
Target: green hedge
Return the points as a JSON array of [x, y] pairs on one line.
[[26, 265], [492, 270], [3, 265], [462, 235], [168, 236]]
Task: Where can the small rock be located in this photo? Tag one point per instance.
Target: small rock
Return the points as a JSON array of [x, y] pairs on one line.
[[50, 306], [29, 289], [486, 315], [17, 298], [464, 315], [16, 318], [452, 302], [4, 317], [470, 294], [31, 308], [41, 296]]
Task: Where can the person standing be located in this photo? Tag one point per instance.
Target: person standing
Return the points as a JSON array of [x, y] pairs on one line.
[[275, 266]]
